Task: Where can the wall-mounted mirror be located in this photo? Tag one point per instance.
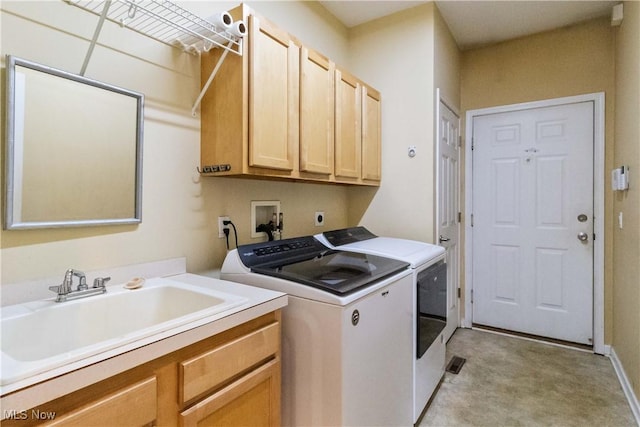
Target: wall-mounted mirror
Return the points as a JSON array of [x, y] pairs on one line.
[[74, 150]]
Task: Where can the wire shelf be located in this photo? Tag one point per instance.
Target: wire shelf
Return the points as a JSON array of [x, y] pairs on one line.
[[165, 22]]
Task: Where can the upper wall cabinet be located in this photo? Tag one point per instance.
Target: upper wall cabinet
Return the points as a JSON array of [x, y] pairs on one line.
[[317, 113], [348, 127], [358, 138], [250, 114], [273, 97], [283, 110], [371, 134]]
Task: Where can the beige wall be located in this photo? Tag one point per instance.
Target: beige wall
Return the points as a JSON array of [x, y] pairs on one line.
[[447, 63], [180, 210], [565, 62], [626, 241], [395, 55]]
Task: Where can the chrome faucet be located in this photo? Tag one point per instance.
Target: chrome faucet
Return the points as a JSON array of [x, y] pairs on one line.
[[65, 289]]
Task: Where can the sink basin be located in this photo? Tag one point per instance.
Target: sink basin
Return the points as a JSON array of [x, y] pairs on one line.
[[41, 335]]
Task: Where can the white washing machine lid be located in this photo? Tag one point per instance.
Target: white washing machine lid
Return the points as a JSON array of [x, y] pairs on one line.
[[235, 271], [411, 251]]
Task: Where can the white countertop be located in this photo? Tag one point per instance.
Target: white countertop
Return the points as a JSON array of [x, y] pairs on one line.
[[43, 387]]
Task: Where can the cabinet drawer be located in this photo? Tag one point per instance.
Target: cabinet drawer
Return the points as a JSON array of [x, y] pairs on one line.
[[135, 405], [209, 370]]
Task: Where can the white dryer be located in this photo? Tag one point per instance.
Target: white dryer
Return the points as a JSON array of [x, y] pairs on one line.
[[429, 300]]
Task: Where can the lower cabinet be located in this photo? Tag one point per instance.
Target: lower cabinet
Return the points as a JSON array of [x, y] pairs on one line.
[[249, 396], [229, 379], [250, 401]]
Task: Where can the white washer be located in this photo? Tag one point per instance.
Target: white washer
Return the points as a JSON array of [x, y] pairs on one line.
[[346, 358], [428, 368]]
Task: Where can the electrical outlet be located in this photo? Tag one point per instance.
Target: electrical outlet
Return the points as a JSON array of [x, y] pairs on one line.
[[221, 225], [319, 219]]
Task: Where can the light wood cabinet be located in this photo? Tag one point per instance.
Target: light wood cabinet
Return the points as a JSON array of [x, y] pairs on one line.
[[358, 135], [208, 370], [317, 113], [250, 113], [283, 110], [115, 409], [232, 378], [348, 126], [371, 135], [250, 401], [273, 96]]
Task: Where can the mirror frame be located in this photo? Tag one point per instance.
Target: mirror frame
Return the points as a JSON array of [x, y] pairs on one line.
[[9, 222]]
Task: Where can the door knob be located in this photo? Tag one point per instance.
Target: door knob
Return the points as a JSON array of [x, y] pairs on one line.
[[443, 239], [583, 237]]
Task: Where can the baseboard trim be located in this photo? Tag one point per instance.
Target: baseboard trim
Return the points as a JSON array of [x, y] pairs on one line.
[[626, 385]]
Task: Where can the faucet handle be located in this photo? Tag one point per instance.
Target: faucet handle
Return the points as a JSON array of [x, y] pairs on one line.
[[99, 282]]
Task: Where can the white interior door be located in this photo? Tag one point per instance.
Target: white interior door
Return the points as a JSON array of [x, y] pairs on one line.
[[533, 209], [448, 207]]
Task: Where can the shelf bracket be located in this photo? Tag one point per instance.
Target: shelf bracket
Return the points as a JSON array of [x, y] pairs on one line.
[[96, 33], [211, 77]]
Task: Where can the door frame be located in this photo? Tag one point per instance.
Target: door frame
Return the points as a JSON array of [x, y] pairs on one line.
[[456, 111], [598, 100]]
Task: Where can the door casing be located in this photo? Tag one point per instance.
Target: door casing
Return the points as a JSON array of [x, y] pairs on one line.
[[598, 100], [440, 100]]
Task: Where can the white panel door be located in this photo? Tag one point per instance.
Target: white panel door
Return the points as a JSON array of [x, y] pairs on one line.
[[448, 208], [533, 221]]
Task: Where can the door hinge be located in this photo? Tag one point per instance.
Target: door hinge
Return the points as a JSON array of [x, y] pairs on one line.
[[594, 236], [459, 217], [460, 141], [472, 220], [471, 296], [458, 292], [472, 144]]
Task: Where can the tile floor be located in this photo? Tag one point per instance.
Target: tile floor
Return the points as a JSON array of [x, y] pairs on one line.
[[509, 381]]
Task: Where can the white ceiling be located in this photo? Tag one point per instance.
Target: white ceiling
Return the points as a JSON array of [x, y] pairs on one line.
[[477, 23]]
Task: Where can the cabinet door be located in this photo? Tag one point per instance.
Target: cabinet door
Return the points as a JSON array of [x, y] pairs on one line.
[[317, 111], [273, 97], [348, 130], [253, 400], [371, 136]]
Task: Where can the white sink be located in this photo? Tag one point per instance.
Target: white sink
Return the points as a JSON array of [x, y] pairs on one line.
[[41, 335]]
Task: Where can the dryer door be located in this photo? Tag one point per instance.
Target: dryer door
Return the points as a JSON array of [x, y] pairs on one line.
[[432, 305]]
